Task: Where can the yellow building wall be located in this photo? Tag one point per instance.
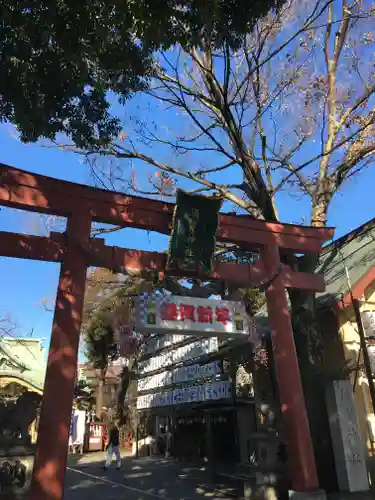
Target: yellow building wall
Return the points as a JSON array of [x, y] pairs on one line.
[[350, 338]]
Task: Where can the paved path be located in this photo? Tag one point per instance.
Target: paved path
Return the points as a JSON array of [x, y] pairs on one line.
[[147, 479], [140, 479]]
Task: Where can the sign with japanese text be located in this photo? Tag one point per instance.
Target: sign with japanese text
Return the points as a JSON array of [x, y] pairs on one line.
[[192, 242], [368, 321], [210, 391], [158, 342], [179, 355], [371, 355], [179, 375], [348, 448], [203, 317]]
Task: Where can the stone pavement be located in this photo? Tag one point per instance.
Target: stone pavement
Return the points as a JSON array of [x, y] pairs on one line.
[[139, 479]]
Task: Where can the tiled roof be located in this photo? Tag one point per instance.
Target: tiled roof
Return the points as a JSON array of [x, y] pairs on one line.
[[356, 251], [29, 358], [113, 372]]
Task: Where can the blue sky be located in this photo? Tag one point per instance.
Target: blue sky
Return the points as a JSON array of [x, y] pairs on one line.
[[25, 283]]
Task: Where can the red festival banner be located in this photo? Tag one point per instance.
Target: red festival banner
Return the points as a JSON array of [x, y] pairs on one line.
[[190, 315]]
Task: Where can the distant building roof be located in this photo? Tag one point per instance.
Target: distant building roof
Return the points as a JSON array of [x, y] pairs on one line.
[[26, 358], [356, 251], [113, 373]]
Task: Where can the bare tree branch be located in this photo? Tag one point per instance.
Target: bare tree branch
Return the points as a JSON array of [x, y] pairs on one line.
[[7, 326], [345, 168], [282, 111], [319, 156], [307, 25], [104, 230], [223, 190]]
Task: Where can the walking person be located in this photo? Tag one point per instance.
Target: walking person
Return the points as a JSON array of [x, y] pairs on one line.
[[113, 446]]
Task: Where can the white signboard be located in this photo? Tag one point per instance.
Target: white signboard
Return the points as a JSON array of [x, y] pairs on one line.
[[159, 342], [166, 313], [368, 321], [77, 427], [211, 391], [179, 376], [349, 451], [179, 355], [371, 355]]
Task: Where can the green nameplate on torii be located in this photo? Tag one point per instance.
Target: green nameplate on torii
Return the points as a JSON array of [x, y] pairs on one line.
[[193, 239]]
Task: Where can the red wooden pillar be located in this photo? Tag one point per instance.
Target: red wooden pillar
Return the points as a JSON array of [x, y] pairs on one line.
[[300, 449], [53, 435]]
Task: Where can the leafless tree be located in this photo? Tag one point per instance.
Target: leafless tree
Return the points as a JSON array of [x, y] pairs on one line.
[[290, 112], [8, 327]]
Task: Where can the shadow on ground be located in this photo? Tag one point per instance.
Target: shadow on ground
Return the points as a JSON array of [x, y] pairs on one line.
[[154, 478], [139, 479]]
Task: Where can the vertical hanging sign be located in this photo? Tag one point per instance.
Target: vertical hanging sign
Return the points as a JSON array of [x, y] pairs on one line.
[[192, 240]]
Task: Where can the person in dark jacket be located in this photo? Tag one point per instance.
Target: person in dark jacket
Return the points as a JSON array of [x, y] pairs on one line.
[[113, 446]]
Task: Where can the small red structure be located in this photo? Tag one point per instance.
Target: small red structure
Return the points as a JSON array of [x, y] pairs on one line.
[[96, 436], [76, 251]]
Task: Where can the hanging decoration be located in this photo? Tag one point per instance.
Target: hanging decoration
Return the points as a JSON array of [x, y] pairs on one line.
[[192, 241]]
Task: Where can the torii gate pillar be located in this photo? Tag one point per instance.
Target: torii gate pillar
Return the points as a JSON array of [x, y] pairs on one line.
[[292, 401], [49, 468]]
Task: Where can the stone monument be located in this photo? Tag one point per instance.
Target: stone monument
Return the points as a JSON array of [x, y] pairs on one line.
[[348, 448]]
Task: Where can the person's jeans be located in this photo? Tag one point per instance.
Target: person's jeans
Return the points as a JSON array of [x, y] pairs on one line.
[[113, 450]]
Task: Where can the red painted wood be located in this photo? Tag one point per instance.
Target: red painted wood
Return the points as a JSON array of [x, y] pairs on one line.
[[25, 246], [53, 435], [11, 176], [39, 193], [130, 261], [303, 281], [358, 290], [300, 449]]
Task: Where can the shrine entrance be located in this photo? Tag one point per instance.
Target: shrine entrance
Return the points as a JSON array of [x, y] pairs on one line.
[[76, 251]]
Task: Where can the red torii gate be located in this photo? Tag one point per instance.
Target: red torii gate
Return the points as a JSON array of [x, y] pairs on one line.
[[82, 205]]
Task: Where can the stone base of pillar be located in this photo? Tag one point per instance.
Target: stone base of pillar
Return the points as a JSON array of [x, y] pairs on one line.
[[309, 495]]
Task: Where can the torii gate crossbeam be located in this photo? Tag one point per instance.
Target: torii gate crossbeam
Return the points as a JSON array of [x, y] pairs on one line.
[[83, 205]]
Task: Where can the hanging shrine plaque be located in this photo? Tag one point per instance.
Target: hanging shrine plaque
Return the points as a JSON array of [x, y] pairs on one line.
[[210, 391], [192, 241], [172, 313]]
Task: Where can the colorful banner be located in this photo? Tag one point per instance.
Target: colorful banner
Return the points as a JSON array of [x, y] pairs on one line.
[[192, 240], [203, 317]]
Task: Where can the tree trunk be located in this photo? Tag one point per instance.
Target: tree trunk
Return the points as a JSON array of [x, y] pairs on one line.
[[100, 394], [124, 385]]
